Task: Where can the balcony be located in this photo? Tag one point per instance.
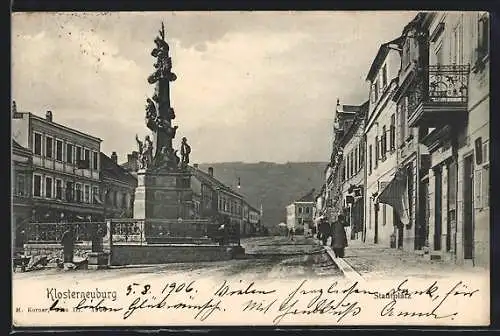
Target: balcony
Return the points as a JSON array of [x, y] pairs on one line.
[[443, 99]]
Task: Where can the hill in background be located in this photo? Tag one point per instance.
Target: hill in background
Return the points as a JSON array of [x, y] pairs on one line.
[[271, 184]]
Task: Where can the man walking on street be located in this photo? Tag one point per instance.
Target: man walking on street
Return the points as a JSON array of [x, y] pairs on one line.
[[324, 230], [339, 237]]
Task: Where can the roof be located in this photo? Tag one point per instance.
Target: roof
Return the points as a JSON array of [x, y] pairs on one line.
[[209, 179], [347, 108], [252, 208], [382, 53], [309, 197], [363, 109], [114, 171], [17, 147], [415, 22], [66, 128]]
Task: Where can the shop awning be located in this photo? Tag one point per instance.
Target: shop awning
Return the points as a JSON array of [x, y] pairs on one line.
[[395, 194]]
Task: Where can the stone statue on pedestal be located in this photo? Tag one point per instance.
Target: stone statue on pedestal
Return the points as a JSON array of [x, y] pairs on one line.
[[167, 159], [145, 152], [185, 151], [163, 183]]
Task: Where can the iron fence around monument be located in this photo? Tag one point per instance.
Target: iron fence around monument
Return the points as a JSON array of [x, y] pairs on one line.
[[52, 232], [137, 231], [196, 231]]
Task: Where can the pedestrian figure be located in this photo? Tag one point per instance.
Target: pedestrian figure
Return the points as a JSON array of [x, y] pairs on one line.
[[323, 231], [339, 237], [68, 243], [290, 232]]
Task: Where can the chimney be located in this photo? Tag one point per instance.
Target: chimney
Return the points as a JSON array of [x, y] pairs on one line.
[[195, 165], [114, 157], [48, 116], [211, 171]]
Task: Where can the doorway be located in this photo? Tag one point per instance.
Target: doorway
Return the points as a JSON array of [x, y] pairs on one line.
[[438, 209], [468, 207], [451, 223], [423, 214], [375, 236]]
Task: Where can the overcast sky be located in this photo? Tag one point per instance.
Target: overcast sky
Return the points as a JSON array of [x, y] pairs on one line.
[[252, 86]]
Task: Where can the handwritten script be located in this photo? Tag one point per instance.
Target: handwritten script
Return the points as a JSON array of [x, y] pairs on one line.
[[339, 302]]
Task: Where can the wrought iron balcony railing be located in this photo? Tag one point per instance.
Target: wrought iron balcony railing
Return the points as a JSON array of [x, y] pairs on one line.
[[448, 83], [441, 93]]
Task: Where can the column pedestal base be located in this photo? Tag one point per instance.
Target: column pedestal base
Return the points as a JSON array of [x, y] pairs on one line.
[[98, 260]]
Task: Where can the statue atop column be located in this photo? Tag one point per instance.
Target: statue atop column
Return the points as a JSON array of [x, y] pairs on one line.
[[160, 114], [163, 64]]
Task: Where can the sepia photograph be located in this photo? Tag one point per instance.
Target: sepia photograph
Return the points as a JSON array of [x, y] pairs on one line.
[[250, 168]]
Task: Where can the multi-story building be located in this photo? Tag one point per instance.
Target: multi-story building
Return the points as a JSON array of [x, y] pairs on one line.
[[382, 221], [352, 172], [117, 188], [21, 192], [216, 200], [450, 108], [410, 182], [245, 212], [299, 214], [251, 220], [66, 168], [254, 218], [333, 202]]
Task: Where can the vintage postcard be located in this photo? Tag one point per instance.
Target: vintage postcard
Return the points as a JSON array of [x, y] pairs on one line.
[[250, 168]]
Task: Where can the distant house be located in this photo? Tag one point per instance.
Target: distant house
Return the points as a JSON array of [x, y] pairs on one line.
[[214, 199], [118, 188], [299, 214]]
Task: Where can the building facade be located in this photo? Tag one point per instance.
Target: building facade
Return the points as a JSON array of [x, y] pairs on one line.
[[117, 188], [333, 201], [382, 222], [352, 171], [220, 202], [22, 176], [452, 115], [426, 147], [251, 220], [299, 214], [254, 218], [66, 168]]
